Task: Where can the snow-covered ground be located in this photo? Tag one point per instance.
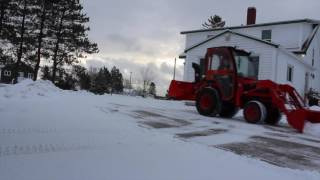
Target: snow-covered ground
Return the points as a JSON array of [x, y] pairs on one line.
[[47, 133]]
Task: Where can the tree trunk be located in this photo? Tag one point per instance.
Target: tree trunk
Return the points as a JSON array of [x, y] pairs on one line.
[[2, 9], [56, 49], [40, 39], [20, 51]]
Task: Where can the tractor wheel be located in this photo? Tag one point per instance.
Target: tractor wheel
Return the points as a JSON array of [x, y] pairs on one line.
[[208, 102], [228, 110], [273, 116], [254, 112]]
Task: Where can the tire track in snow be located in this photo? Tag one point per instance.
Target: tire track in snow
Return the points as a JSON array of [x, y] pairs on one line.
[[26, 131], [16, 150]]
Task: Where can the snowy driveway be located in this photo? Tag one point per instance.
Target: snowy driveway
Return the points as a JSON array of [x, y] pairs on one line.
[[281, 146]]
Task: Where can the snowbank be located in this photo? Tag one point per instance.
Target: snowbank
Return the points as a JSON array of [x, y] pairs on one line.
[[312, 129], [29, 88], [78, 135], [315, 108]]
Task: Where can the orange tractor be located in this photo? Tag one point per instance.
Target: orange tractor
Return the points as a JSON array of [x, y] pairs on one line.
[[225, 83]]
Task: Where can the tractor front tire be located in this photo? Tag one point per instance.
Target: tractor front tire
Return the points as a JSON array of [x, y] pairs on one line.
[[228, 110], [273, 116], [254, 112], [208, 102]]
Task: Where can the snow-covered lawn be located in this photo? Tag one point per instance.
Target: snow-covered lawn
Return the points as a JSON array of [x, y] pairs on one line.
[[47, 133]]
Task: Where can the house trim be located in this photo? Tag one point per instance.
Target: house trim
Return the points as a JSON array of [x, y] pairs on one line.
[[182, 56], [308, 41], [312, 21], [235, 33], [296, 58]]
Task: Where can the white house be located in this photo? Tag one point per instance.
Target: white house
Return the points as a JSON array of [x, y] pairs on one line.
[[287, 52]]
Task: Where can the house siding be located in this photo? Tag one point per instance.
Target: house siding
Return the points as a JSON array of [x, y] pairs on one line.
[[315, 45], [273, 62], [281, 34], [283, 61], [265, 52]]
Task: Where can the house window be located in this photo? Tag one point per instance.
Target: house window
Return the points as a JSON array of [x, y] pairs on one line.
[[247, 66], [7, 73], [21, 74], [30, 75], [202, 67], [266, 35], [290, 73], [312, 57], [255, 66]]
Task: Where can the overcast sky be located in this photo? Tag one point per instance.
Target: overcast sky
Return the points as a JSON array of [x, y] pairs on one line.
[[132, 34]]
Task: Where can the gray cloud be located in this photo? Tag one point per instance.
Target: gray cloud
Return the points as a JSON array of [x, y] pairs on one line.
[[134, 33]]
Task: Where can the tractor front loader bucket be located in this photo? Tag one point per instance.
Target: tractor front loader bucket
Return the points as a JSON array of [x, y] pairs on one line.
[[294, 108], [298, 118]]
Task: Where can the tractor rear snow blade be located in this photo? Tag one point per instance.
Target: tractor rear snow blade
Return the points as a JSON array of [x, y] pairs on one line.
[[180, 90]]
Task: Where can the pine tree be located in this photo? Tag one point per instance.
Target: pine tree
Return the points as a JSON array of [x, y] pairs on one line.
[[43, 13], [22, 30], [214, 22], [4, 15], [82, 77], [35, 30], [70, 31], [5, 29], [152, 89], [85, 81], [102, 82], [46, 73], [117, 80]]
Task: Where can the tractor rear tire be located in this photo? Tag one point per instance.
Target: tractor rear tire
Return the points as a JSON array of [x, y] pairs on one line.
[[254, 112], [228, 110], [208, 102], [273, 116]]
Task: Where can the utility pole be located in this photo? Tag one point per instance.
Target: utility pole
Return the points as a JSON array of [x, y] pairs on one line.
[[174, 70]]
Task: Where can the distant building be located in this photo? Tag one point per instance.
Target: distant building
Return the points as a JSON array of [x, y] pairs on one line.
[[287, 52], [6, 72]]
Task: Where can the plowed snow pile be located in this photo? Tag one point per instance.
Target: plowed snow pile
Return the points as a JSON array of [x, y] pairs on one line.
[[29, 88]]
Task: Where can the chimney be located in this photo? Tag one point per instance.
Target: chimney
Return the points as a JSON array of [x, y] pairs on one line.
[[251, 16]]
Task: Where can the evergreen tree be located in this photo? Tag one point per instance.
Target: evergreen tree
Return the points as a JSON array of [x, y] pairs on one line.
[[22, 30], [214, 22], [85, 81], [152, 89], [4, 16], [5, 29], [46, 73], [117, 80], [43, 11], [33, 30], [70, 34], [82, 77], [102, 82]]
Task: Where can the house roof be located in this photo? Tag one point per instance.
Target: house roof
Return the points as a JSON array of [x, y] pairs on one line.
[[308, 41], [235, 33], [312, 21]]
